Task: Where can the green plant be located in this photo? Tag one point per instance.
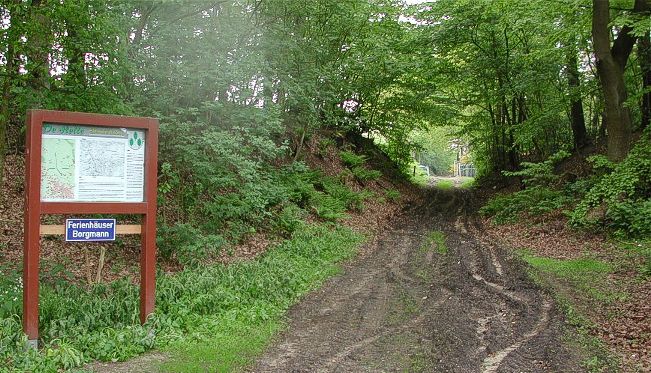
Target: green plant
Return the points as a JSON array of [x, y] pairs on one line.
[[532, 201], [187, 244], [366, 175], [351, 159], [392, 194], [325, 144], [436, 240], [468, 183], [620, 199], [288, 220], [11, 289], [541, 173], [216, 302]]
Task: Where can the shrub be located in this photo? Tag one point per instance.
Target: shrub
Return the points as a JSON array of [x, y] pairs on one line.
[[351, 159], [619, 199], [288, 220], [392, 194], [541, 173], [366, 175], [532, 201], [630, 218], [187, 244]]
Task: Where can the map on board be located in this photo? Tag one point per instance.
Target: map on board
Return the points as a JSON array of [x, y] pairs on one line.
[[92, 163], [102, 157], [58, 169]]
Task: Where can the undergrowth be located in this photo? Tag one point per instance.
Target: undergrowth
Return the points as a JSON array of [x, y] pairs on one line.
[[195, 305]]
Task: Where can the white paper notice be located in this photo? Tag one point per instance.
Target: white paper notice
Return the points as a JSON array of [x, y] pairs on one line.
[[92, 164]]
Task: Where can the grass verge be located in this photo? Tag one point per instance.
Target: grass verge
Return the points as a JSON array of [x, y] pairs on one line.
[[216, 316], [576, 284]]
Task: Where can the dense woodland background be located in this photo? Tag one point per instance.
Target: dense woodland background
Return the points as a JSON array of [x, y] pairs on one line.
[[552, 96], [240, 86]]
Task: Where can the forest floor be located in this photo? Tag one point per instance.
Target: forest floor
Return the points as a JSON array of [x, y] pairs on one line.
[[428, 296]]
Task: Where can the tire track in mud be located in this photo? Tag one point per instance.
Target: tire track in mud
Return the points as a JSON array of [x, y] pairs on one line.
[[409, 308]]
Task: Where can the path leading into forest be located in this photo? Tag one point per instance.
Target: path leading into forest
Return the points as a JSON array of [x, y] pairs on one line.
[[405, 305]]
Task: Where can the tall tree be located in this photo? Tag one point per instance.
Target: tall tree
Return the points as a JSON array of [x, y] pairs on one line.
[[644, 59], [611, 62]]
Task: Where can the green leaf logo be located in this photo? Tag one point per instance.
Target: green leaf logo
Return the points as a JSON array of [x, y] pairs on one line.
[[135, 141]]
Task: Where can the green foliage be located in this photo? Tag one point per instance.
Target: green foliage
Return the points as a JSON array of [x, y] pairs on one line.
[[630, 218], [78, 326], [532, 201], [392, 194], [541, 173], [187, 244], [620, 199], [289, 220], [587, 275], [356, 163], [351, 159], [364, 174]]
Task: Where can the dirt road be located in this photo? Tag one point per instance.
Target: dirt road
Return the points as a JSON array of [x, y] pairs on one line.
[[408, 305]]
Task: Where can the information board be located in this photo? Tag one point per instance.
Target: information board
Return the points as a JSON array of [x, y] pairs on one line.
[[89, 163]]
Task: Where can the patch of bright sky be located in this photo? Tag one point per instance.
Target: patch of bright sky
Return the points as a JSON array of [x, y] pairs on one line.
[[412, 20]]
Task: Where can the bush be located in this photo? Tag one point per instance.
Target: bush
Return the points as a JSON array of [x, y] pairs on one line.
[[356, 165], [533, 201], [630, 218], [351, 159], [188, 245], [619, 199], [288, 220], [541, 173]]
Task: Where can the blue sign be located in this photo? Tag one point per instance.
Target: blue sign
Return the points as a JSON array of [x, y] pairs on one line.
[[90, 229]]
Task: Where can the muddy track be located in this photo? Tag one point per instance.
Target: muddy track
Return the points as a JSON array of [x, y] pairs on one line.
[[406, 306]]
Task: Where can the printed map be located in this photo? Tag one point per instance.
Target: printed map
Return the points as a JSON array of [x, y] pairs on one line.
[[102, 157], [58, 169]]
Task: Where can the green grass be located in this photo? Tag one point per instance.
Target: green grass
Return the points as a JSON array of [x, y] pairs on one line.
[[445, 184], [217, 316], [435, 240], [585, 274], [575, 285], [468, 183], [234, 346]]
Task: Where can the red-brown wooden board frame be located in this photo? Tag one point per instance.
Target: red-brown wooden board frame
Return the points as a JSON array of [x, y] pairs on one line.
[[34, 207]]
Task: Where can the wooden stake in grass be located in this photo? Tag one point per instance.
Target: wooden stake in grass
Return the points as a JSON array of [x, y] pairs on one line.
[[89, 275], [100, 264]]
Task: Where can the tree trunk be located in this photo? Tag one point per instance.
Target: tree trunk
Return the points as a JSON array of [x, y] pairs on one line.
[[10, 73], [39, 48], [644, 58], [577, 117], [610, 68]]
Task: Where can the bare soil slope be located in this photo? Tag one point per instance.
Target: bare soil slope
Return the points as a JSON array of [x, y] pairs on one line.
[[407, 305]]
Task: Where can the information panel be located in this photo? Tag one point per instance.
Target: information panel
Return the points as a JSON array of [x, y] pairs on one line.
[[88, 163]]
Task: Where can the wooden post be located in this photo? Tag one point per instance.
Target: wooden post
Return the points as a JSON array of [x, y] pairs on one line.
[[148, 235], [32, 226]]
